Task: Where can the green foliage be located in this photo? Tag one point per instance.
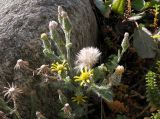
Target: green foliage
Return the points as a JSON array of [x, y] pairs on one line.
[[103, 7], [103, 91], [33, 104], [144, 43], [118, 6], [3, 106], [138, 4], [63, 77], [112, 62], [156, 115], [151, 4], [152, 90]]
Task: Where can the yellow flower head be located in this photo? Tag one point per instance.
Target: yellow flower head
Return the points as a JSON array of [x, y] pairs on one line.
[[59, 68], [79, 99], [84, 76]]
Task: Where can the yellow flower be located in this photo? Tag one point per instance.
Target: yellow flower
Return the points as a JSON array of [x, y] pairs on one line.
[[79, 99], [59, 68], [84, 76]]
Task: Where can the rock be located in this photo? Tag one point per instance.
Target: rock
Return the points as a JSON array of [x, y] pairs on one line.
[[21, 23]]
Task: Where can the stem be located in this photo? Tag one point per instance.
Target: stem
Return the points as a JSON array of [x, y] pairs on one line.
[[101, 109], [67, 35], [119, 58], [15, 109], [56, 39], [68, 42]]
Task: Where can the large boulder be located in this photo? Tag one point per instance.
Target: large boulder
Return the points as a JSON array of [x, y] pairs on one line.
[[21, 23]]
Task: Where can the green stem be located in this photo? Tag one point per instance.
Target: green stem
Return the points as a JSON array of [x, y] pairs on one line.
[[56, 39], [120, 57], [68, 42], [15, 109]]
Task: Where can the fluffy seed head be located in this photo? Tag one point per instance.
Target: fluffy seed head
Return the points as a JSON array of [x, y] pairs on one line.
[[87, 57]]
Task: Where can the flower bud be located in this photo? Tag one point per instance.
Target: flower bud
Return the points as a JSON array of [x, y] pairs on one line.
[[126, 34], [64, 14], [60, 9], [53, 25], [67, 109], [125, 42], [59, 92], [39, 115], [44, 36], [21, 64], [119, 70]]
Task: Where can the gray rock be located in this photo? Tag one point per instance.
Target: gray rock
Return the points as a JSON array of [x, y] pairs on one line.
[[21, 23]]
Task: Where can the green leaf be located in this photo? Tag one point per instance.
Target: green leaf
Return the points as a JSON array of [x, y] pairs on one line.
[[103, 91], [138, 4], [118, 6], [144, 43], [99, 74], [103, 7], [3, 106], [112, 63], [151, 4]]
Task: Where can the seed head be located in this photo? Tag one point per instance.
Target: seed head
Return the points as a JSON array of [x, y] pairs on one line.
[[44, 69], [21, 64], [87, 57], [12, 91]]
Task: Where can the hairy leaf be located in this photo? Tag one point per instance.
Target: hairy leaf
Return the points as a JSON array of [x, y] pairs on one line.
[[144, 43], [103, 91]]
